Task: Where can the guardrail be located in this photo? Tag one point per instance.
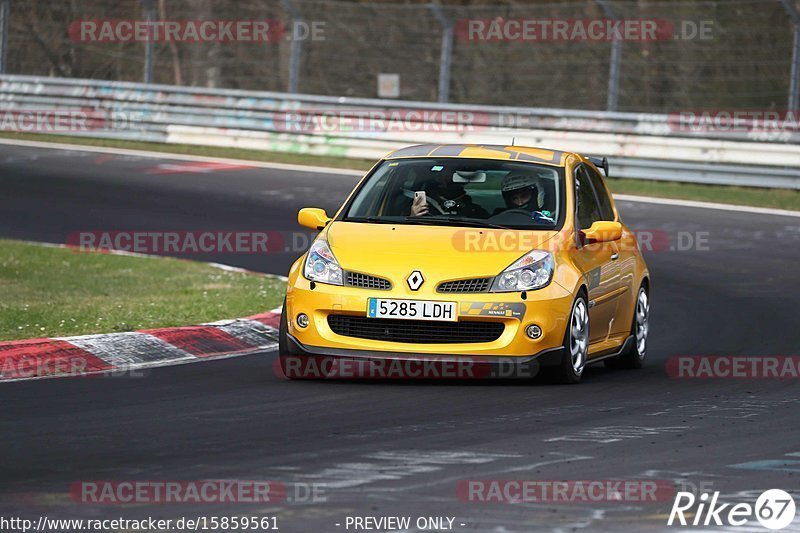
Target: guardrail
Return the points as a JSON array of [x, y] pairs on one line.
[[643, 146]]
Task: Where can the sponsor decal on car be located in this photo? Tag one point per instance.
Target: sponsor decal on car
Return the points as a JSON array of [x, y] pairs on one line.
[[508, 310]]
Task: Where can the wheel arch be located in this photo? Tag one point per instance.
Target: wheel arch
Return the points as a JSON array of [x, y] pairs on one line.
[[584, 290]]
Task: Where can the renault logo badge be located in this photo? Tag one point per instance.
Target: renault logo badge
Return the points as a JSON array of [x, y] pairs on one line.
[[415, 280]]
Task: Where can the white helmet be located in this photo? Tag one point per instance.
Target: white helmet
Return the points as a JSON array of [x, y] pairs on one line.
[[513, 182]]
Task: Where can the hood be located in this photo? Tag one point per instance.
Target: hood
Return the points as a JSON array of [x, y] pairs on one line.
[[440, 253]]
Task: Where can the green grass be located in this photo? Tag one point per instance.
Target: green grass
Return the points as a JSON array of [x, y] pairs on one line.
[[49, 292], [777, 198], [723, 194]]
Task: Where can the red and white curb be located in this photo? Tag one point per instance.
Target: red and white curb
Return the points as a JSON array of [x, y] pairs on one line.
[[137, 350], [126, 352]]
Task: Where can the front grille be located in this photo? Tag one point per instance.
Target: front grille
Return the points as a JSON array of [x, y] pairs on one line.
[[365, 281], [415, 331], [466, 285]]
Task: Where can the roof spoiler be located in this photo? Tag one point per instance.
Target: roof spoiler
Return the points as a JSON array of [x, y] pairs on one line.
[[599, 162]]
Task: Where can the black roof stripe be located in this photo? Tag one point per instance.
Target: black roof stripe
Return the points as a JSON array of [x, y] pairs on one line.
[[454, 150]]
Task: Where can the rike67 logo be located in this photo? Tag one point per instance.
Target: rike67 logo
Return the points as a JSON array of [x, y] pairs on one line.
[[774, 509]]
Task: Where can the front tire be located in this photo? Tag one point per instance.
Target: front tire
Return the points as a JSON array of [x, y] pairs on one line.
[[284, 359], [576, 343]]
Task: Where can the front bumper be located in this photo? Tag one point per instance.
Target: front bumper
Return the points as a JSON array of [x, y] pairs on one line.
[[301, 361], [548, 308]]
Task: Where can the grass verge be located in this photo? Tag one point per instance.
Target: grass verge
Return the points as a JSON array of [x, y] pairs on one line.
[[51, 292], [721, 194], [775, 198]]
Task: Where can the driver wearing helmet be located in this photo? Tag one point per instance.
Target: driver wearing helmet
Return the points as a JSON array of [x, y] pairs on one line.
[[520, 192]]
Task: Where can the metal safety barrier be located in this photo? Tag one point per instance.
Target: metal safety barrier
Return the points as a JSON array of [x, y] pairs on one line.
[[640, 146]]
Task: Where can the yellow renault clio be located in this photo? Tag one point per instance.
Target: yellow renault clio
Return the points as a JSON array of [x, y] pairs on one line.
[[504, 253]]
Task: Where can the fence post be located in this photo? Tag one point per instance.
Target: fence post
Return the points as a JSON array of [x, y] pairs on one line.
[[5, 12], [296, 45], [150, 15], [446, 56], [612, 103], [794, 76]]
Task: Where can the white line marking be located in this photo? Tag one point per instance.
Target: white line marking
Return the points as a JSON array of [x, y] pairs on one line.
[[358, 173], [229, 268], [398, 465], [564, 458], [182, 157], [706, 205], [609, 434]]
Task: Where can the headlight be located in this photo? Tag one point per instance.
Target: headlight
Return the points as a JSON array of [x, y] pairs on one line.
[[321, 265], [532, 271]]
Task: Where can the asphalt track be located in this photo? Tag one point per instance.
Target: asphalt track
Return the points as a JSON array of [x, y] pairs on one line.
[[400, 448]]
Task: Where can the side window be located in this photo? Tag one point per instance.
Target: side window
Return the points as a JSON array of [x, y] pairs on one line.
[[606, 211], [588, 210]]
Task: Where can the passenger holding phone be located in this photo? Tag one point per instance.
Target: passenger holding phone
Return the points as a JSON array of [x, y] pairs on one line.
[[419, 206], [443, 197]]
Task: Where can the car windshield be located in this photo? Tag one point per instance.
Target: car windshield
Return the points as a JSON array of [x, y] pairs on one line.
[[453, 191]]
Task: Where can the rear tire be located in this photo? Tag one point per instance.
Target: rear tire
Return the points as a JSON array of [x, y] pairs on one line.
[[576, 344], [633, 357]]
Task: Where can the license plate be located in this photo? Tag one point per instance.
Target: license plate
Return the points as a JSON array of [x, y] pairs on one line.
[[412, 310]]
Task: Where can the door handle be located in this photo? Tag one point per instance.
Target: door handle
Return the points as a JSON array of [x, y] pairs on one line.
[[614, 256]]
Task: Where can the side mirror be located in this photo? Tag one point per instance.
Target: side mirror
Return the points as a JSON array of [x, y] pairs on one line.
[[313, 217], [603, 231]]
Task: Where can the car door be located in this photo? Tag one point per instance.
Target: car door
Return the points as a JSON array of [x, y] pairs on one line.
[[624, 264], [598, 261]]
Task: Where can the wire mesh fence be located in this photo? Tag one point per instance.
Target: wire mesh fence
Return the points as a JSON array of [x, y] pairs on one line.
[[577, 54]]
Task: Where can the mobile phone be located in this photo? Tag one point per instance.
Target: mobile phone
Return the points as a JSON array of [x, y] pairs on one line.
[[421, 194]]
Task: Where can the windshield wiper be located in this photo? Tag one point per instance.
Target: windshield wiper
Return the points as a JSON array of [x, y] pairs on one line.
[[430, 221], [370, 220], [454, 221]]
